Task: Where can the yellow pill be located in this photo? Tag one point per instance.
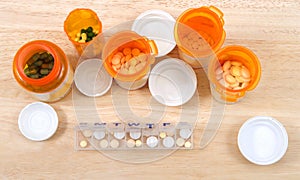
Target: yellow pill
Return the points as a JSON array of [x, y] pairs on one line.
[[230, 79], [83, 36], [126, 51], [76, 39], [188, 144], [115, 60], [236, 63], [138, 143], [235, 70], [135, 52], [234, 85], [226, 66], [162, 135], [245, 72], [78, 35], [128, 57], [83, 144]]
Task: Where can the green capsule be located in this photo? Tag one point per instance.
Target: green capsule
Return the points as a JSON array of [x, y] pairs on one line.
[[88, 39], [34, 76], [44, 71], [30, 61], [36, 56], [83, 31], [89, 29], [90, 34], [50, 65], [38, 63], [26, 71], [33, 71], [44, 55]]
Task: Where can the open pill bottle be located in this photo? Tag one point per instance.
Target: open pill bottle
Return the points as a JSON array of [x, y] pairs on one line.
[[56, 84], [79, 19], [232, 72], [128, 57], [199, 34]]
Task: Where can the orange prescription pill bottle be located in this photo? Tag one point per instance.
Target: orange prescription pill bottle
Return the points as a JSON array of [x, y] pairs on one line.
[[53, 86], [237, 62], [199, 33], [134, 55], [81, 19]]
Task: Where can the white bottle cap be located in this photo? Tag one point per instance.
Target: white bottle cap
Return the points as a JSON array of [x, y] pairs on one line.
[[262, 140], [38, 121], [159, 26], [91, 79]]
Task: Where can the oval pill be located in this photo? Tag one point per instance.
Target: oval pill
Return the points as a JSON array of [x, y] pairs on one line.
[[230, 79], [245, 72], [235, 70], [226, 66], [236, 63], [126, 51]]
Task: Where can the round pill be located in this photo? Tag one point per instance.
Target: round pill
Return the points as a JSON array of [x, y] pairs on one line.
[[162, 135], [188, 144], [135, 135], [180, 142], [152, 141], [119, 135], [130, 143], [103, 143], [185, 133], [83, 143], [168, 142], [114, 143], [99, 135], [138, 143], [87, 133]]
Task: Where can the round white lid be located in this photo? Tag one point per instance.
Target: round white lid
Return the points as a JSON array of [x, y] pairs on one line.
[[91, 79], [157, 25], [172, 82], [38, 121], [262, 140]]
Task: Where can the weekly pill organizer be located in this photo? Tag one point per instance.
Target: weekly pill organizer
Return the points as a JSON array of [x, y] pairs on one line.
[[133, 136]]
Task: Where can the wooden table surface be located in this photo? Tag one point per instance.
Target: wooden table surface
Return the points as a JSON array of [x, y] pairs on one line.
[[270, 28]]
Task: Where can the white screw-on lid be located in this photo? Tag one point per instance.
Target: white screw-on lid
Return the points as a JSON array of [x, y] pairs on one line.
[[91, 79], [38, 121], [262, 140], [172, 82], [157, 25]]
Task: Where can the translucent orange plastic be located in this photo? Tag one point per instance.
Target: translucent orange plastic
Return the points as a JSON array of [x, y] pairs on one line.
[[81, 19], [208, 23], [129, 39], [240, 54], [56, 84]]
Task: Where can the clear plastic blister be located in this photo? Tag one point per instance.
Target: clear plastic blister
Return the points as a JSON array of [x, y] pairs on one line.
[[133, 136]]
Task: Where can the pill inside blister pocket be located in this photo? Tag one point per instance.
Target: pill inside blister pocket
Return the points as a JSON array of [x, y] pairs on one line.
[[168, 142], [99, 135]]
